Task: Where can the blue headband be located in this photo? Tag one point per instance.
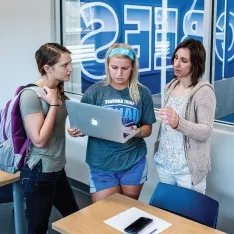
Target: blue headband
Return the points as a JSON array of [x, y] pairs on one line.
[[124, 51]]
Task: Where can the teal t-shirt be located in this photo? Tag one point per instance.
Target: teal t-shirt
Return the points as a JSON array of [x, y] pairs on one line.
[[111, 156]]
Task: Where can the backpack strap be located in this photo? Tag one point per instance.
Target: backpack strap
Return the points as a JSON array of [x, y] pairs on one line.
[[5, 117], [30, 85], [25, 146], [40, 91]]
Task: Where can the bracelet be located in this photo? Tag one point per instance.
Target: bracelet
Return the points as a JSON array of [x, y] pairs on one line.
[[142, 133], [55, 105]]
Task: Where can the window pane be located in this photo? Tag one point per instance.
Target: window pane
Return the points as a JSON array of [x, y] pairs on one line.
[[152, 28], [224, 61], [71, 38]]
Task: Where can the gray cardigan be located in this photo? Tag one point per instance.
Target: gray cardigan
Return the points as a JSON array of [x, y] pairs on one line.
[[197, 127]]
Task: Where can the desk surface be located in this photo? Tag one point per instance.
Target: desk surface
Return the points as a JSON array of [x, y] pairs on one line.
[[90, 219], [7, 178]]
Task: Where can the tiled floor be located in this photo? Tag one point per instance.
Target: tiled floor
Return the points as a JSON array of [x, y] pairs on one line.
[[7, 217]]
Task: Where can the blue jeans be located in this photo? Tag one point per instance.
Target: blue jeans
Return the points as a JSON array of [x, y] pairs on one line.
[[42, 191]]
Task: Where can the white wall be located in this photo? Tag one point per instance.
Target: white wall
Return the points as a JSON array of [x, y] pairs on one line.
[[24, 26]]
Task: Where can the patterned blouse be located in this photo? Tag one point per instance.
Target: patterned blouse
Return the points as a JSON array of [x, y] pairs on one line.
[[171, 155]]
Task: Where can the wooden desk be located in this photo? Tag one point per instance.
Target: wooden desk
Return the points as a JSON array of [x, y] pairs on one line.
[[90, 219], [6, 178], [18, 199]]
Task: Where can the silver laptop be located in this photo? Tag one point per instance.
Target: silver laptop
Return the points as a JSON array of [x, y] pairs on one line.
[[100, 122]]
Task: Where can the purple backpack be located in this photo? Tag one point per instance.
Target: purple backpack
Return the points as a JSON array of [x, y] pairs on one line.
[[14, 143]]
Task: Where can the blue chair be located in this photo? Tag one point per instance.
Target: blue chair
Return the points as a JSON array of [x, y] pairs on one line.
[[186, 203]]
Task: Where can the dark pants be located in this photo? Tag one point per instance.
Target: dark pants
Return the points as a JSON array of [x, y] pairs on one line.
[[6, 193], [42, 191]]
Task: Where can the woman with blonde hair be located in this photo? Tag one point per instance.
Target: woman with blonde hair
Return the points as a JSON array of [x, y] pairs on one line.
[[116, 167]]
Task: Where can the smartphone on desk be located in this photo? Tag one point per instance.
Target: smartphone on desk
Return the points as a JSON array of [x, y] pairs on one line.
[[138, 225]]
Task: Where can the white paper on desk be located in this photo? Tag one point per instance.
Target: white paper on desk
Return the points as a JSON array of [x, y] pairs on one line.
[[124, 219]]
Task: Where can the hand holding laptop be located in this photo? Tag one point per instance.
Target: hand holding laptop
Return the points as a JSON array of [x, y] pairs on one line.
[[74, 132], [130, 128], [139, 131]]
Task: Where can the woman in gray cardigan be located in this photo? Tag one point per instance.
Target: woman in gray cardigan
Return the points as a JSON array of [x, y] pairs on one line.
[[183, 156]]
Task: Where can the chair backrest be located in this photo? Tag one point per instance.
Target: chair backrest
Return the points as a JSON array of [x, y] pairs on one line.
[[186, 203]]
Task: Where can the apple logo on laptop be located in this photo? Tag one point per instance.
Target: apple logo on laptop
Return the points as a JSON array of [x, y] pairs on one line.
[[94, 122]]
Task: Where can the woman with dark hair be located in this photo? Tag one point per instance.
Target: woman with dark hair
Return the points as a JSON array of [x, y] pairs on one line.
[[183, 156], [43, 177]]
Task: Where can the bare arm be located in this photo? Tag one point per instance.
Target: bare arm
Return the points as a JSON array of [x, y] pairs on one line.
[[39, 129], [38, 126], [145, 131]]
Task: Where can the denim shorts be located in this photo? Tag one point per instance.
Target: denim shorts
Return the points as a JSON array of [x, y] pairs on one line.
[[100, 180]]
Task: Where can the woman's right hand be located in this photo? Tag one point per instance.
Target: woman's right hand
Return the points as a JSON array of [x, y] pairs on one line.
[[51, 96], [74, 132], [169, 116]]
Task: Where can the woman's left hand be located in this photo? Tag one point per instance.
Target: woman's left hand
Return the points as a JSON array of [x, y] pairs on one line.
[[169, 116], [74, 132], [132, 128]]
